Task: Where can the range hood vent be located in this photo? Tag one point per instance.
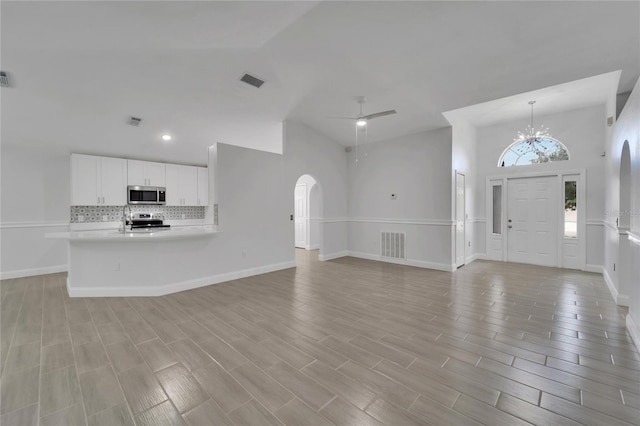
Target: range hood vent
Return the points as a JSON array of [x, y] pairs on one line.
[[251, 80]]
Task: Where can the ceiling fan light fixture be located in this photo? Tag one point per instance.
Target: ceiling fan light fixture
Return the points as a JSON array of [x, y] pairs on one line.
[[361, 122]]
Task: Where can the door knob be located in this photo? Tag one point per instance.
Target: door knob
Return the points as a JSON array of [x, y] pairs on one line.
[[509, 226], [509, 220]]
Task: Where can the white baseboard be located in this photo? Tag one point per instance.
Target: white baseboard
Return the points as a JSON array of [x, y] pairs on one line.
[[634, 331], [607, 279], [620, 299], [599, 269], [174, 287], [408, 262], [474, 257], [330, 256], [31, 272], [623, 300], [313, 247]]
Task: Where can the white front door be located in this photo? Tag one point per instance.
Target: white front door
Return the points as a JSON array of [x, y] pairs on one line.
[[300, 208], [532, 220], [460, 220]]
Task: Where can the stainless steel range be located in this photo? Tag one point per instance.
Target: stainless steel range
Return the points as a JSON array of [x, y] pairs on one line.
[[145, 222]]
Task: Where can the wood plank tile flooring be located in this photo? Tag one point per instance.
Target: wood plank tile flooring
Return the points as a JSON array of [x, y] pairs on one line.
[[343, 342]]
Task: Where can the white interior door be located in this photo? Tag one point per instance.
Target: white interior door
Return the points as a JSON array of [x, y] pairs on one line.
[[300, 206], [532, 220], [460, 220]]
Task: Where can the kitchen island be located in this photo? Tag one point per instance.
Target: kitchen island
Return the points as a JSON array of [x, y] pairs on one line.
[[107, 262]]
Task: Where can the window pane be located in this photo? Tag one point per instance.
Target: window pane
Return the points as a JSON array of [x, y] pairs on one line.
[[497, 209], [570, 209], [533, 151]]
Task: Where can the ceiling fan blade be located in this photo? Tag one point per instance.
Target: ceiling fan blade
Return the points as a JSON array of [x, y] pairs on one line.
[[379, 114], [343, 118]]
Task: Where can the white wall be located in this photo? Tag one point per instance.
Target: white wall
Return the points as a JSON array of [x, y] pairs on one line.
[[315, 215], [253, 210], [308, 152], [583, 132], [35, 201], [463, 160], [417, 168], [626, 128]]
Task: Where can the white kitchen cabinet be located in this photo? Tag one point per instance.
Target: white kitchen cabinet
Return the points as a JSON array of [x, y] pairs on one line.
[[182, 185], [145, 173], [203, 186], [98, 181]]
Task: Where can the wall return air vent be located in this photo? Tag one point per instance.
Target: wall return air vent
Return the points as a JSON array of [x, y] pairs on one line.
[[392, 244], [251, 80]]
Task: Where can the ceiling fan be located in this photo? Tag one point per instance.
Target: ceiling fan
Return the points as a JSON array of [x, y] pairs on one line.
[[361, 120]]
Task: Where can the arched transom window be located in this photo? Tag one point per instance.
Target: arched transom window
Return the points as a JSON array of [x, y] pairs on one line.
[[533, 151]]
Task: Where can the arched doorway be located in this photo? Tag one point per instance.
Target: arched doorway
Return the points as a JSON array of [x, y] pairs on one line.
[[307, 197], [624, 223]]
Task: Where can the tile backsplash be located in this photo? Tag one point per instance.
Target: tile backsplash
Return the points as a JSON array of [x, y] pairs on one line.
[[114, 213]]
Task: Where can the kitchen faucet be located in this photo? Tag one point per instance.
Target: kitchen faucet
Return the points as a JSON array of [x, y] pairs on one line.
[[124, 218]]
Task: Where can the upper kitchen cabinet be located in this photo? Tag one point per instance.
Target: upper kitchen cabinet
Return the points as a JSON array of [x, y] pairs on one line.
[[146, 173], [182, 185], [203, 186], [98, 181]]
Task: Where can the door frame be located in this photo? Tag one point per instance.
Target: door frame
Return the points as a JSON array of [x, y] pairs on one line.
[[464, 219], [560, 175], [305, 244]]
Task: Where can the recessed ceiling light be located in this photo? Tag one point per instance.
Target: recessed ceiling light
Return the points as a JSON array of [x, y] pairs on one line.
[[166, 137], [361, 122]]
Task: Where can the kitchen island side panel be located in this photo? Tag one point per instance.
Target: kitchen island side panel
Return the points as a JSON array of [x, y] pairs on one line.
[[154, 268]]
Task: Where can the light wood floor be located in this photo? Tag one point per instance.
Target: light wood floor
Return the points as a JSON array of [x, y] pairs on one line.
[[345, 342]]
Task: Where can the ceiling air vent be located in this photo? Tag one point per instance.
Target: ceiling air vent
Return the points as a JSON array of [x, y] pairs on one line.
[[251, 80], [4, 79], [134, 121]]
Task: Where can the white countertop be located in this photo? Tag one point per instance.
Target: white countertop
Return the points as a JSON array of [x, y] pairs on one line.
[[175, 232]]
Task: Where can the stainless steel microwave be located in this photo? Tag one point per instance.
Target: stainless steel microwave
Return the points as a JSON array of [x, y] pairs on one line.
[[146, 195]]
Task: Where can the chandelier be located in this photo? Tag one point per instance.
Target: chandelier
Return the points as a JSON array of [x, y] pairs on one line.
[[530, 134]]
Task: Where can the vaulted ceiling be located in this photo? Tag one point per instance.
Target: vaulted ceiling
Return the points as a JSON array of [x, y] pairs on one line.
[[79, 69]]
